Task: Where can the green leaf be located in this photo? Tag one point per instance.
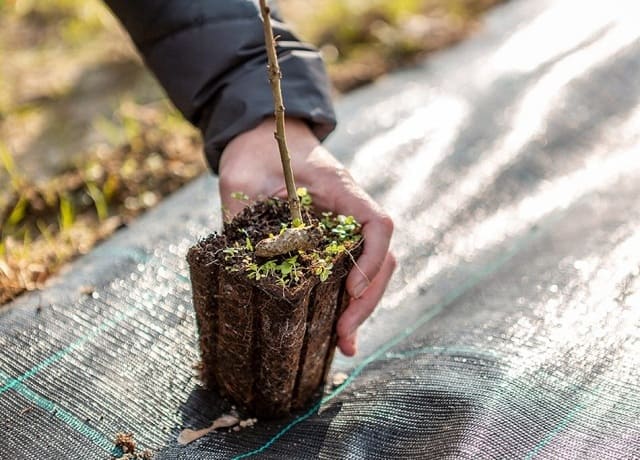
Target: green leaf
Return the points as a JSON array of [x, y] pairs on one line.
[[99, 201], [67, 213], [18, 212], [240, 196], [305, 198], [285, 268], [6, 160]]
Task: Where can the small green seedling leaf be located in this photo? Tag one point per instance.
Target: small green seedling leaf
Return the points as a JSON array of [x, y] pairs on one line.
[[305, 198], [240, 196], [285, 268], [324, 275]]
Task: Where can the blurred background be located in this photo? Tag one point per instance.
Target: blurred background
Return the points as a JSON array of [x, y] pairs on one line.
[[88, 140]]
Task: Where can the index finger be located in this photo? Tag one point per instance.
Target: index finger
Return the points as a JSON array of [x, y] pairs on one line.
[[377, 228]]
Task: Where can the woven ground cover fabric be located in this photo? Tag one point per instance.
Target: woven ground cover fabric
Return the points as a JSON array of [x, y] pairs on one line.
[[511, 329]]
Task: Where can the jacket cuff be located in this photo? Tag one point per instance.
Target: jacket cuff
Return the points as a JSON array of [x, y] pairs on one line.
[[247, 100], [210, 58]]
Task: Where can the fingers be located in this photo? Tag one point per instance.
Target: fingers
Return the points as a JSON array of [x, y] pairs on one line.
[[342, 195], [360, 308], [348, 345], [333, 189], [377, 236]]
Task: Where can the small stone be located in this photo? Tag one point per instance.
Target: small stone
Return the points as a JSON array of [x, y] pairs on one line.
[[338, 379], [248, 422]]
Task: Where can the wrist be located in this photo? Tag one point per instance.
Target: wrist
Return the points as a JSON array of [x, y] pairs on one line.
[[258, 144]]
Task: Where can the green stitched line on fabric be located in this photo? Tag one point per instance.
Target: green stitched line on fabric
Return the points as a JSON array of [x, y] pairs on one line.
[[435, 350], [555, 432], [357, 371], [428, 316], [68, 418], [562, 425], [135, 254], [68, 349], [472, 282]]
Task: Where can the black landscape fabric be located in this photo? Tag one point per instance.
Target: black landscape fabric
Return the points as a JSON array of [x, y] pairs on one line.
[[511, 328]]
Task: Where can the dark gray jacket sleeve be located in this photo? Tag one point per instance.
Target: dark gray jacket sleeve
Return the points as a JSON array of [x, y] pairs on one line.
[[209, 56]]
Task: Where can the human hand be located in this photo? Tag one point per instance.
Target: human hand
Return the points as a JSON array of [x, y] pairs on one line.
[[251, 164]]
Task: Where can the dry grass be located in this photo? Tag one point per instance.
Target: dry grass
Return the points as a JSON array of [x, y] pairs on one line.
[[46, 225]]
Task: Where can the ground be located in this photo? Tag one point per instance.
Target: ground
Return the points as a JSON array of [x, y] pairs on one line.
[[88, 140]]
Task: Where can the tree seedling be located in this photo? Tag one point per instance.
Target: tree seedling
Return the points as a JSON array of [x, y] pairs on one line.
[[297, 237], [294, 237], [266, 321]]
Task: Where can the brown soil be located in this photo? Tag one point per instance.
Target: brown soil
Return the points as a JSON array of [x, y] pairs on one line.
[[264, 344]]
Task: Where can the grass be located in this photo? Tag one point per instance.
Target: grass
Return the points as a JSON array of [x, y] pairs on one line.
[[44, 225], [88, 141]]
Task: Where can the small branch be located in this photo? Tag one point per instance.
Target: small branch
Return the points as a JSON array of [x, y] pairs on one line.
[[274, 80]]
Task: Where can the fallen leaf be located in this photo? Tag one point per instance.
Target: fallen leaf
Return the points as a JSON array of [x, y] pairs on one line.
[[188, 435]]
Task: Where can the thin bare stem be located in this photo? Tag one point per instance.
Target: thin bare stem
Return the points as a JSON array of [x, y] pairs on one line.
[[274, 80]]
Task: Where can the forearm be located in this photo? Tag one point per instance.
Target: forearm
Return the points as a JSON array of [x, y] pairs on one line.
[[210, 58]]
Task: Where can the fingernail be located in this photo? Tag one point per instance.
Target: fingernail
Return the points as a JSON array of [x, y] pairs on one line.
[[359, 289]]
